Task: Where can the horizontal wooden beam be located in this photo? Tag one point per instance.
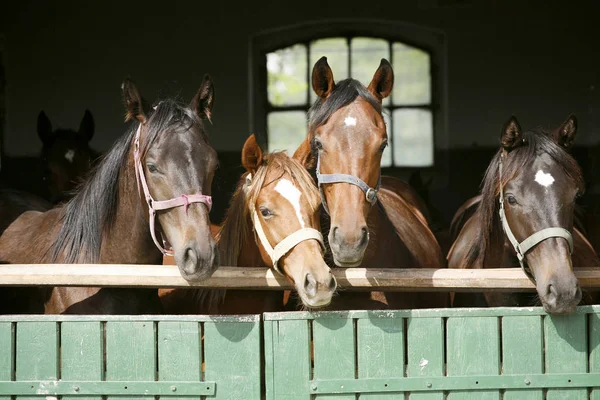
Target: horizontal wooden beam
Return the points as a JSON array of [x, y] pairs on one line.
[[360, 279]]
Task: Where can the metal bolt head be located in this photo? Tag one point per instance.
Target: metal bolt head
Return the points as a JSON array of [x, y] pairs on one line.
[[76, 388], [173, 388], [429, 384], [527, 382], [313, 386]]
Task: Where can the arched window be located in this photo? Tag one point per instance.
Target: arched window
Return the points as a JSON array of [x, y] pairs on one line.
[[281, 91]]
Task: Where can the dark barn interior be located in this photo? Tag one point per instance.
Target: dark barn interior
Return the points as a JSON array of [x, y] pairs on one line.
[[538, 60]]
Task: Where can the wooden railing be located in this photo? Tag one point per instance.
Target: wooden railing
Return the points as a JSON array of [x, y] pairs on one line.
[[359, 279]]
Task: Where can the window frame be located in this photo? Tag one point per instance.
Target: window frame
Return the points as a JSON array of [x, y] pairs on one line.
[[432, 41]]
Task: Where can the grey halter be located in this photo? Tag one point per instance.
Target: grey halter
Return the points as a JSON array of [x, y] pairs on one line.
[[370, 193], [522, 248]]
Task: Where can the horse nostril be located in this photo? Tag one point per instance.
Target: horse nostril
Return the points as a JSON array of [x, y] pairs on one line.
[[332, 283], [364, 236], [577, 292], [190, 260], [310, 285], [334, 232]]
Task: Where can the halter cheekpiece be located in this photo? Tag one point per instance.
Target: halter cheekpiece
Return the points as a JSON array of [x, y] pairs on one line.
[[370, 193], [153, 205], [285, 245], [533, 240]]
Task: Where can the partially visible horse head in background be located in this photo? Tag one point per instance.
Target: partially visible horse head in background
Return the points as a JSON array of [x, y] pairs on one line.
[[66, 155]]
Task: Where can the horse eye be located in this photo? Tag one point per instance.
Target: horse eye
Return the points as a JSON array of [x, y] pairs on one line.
[[151, 168], [511, 200], [316, 144], [383, 146], [578, 194], [265, 212]]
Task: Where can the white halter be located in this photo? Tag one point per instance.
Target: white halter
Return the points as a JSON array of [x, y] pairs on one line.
[[288, 243]]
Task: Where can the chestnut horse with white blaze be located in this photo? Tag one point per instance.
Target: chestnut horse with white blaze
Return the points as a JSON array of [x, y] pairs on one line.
[[273, 221]]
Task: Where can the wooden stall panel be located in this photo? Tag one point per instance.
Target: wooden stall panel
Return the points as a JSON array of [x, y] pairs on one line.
[[36, 352], [523, 352], [82, 353], [287, 359], [179, 353], [232, 358], [565, 339], [6, 354], [380, 345], [473, 348], [594, 350], [425, 352], [334, 351], [130, 354]]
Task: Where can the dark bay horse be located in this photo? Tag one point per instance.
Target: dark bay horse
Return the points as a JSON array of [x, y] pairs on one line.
[[530, 187], [159, 172], [273, 220], [374, 221], [66, 155]]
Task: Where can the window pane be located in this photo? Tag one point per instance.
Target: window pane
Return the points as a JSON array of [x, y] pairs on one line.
[[366, 57], [336, 51], [412, 83], [413, 138], [386, 158], [286, 69], [286, 130]]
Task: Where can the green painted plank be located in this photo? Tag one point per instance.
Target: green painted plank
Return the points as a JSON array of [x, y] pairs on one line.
[[6, 354], [232, 358], [179, 357], [130, 353], [522, 352], [81, 353], [594, 349], [473, 348], [36, 352], [380, 345], [287, 360], [566, 351], [334, 352], [425, 342]]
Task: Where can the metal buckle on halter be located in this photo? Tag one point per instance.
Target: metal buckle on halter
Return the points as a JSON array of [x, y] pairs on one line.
[[371, 195]]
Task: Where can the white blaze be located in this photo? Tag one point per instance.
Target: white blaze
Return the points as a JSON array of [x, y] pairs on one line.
[[69, 155], [350, 121], [291, 194], [543, 178]]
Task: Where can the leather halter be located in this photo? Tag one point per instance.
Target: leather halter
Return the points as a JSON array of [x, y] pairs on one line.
[[370, 193], [533, 240], [288, 243], [153, 205]]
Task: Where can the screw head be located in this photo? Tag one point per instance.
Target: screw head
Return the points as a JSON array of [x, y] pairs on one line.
[[429, 385], [76, 388], [313, 386], [173, 388], [527, 382]]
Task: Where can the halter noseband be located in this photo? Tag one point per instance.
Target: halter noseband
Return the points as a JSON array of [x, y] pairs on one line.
[[288, 243], [370, 193], [533, 240], [153, 205]]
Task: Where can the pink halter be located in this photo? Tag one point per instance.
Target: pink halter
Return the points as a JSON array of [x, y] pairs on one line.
[[153, 205]]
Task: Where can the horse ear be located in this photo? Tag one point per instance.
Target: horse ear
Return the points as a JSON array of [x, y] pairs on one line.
[[252, 155], [511, 135], [383, 81], [303, 153], [44, 128], [134, 103], [322, 78], [565, 134], [202, 103], [86, 127]]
